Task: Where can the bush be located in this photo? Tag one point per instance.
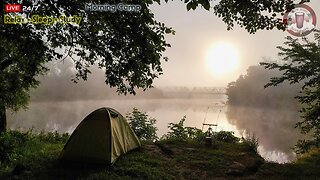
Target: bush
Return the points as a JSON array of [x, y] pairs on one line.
[[179, 132], [53, 137], [194, 133], [226, 136], [251, 143], [143, 126], [304, 146], [9, 143]]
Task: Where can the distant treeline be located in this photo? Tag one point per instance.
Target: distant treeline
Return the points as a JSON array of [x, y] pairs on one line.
[[248, 90], [57, 86]]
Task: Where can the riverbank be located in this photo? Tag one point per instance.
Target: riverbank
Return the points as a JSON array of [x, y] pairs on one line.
[[35, 156]]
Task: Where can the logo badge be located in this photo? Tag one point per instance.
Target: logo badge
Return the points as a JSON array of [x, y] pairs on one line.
[[300, 21], [12, 8]]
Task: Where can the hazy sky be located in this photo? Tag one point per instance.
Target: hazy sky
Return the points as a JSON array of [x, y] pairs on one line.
[[197, 31]]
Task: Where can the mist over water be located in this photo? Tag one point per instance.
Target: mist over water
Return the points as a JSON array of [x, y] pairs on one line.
[[64, 116], [274, 127], [60, 105]]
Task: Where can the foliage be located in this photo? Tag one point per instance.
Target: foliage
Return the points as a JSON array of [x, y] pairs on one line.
[[305, 167], [304, 146], [179, 132], [52, 137], [143, 126], [13, 142], [300, 63], [251, 143], [248, 91], [250, 105], [9, 143], [253, 15], [39, 160], [186, 161], [225, 136], [309, 157], [194, 133], [127, 46], [22, 55]]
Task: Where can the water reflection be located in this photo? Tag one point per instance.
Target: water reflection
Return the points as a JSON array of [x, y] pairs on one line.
[[65, 116], [274, 128]]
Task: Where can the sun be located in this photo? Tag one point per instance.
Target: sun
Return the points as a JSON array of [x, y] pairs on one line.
[[222, 59]]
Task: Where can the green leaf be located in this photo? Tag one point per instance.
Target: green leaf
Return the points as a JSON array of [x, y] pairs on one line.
[[189, 6], [206, 5]]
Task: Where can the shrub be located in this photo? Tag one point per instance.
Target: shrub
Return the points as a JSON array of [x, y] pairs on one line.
[[251, 142], [195, 133], [53, 137], [304, 146], [9, 143], [226, 136], [143, 126], [179, 132]]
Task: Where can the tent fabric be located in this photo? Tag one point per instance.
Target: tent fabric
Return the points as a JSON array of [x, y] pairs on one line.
[[101, 137]]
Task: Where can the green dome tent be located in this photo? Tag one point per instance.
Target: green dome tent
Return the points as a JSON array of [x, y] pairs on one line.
[[100, 138]]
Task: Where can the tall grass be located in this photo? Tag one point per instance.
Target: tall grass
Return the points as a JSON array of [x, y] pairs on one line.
[[16, 145]]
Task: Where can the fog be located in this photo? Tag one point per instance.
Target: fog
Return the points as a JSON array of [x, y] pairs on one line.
[[197, 31], [59, 105], [57, 86], [273, 127], [65, 116]]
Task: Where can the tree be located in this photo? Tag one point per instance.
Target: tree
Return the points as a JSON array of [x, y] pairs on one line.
[[128, 46], [21, 60], [248, 90], [301, 63], [253, 15], [142, 125]]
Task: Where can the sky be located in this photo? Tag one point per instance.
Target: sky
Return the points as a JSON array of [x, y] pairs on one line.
[[197, 31]]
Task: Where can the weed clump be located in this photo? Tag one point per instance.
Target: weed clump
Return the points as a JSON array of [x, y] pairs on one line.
[[14, 145]]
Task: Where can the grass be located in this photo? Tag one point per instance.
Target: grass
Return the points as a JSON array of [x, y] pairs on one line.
[[305, 167], [36, 156]]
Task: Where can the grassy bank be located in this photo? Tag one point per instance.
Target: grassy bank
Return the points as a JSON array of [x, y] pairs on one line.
[[35, 156]]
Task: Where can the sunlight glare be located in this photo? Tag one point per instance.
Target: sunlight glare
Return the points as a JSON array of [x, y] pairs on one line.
[[222, 59]]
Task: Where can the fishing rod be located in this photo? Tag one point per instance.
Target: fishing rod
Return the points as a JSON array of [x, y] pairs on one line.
[[204, 121], [217, 120]]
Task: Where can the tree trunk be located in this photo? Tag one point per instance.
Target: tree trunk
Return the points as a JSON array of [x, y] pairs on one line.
[[3, 118]]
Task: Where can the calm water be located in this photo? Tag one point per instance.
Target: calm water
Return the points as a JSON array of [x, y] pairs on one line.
[[274, 128]]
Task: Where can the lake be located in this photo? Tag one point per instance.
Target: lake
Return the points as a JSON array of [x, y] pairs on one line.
[[274, 127]]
